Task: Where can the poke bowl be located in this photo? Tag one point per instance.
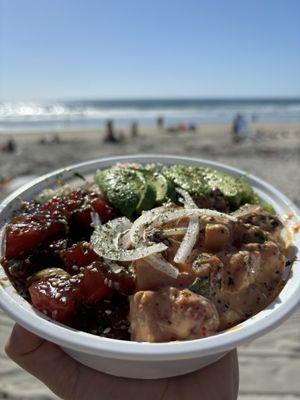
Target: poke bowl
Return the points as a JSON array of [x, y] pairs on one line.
[[199, 325]]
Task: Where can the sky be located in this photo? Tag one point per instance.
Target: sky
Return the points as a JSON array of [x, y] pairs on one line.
[[88, 49]]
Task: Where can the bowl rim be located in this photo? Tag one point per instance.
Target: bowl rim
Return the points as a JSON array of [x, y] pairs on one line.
[[64, 336]]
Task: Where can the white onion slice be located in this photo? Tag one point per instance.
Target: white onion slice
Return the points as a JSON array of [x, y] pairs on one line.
[[136, 231], [188, 241], [124, 240], [103, 243], [116, 268], [188, 201], [178, 231], [118, 225], [96, 222], [160, 264], [106, 251], [162, 215]]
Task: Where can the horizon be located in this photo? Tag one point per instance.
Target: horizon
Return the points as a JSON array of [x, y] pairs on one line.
[[162, 98], [87, 50]]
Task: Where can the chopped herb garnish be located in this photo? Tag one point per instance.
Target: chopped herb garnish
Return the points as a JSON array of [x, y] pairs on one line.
[[201, 286]]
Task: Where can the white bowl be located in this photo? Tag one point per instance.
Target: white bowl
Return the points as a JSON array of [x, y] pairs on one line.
[[148, 360]]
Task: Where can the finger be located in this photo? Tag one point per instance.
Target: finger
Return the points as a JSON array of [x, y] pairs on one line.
[[44, 360], [94, 385], [217, 381], [69, 379]]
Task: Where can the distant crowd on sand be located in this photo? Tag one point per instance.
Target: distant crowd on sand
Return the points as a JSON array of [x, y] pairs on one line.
[[111, 136], [239, 129], [240, 132]]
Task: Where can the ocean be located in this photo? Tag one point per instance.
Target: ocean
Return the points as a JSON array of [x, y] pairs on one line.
[[56, 115]]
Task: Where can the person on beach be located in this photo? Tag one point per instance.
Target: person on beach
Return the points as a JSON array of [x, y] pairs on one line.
[[110, 136], [239, 128], [160, 123], [71, 380], [134, 130], [10, 146], [192, 127]]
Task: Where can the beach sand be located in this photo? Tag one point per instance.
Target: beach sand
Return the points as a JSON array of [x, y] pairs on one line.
[[269, 366]]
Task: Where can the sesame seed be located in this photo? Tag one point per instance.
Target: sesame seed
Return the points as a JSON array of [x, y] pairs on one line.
[[63, 300], [108, 312], [61, 284], [80, 275], [75, 268], [94, 270], [57, 295], [106, 330], [72, 280], [54, 284]]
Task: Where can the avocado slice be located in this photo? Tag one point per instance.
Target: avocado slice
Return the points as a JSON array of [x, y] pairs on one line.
[[132, 190], [163, 188], [188, 178], [148, 199], [235, 190], [126, 189], [200, 182]]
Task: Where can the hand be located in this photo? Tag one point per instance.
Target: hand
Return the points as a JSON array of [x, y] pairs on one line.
[[70, 380]]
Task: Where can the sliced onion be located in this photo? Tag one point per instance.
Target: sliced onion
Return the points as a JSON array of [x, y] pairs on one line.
[[137, 229], [188, 201], [189, 239], [178, 231], [116, 268], [102, 242], [123, 240], [96, 222], [162, 215], [160, 264], [118, 224], [125, 255]]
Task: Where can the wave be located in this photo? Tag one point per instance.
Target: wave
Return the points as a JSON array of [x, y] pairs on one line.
[[87, 112]]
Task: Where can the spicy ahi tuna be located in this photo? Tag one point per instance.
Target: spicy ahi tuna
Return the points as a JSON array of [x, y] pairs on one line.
[[148, 253]]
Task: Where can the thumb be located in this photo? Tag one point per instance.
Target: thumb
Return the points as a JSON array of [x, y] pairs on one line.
[[44, 360]]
